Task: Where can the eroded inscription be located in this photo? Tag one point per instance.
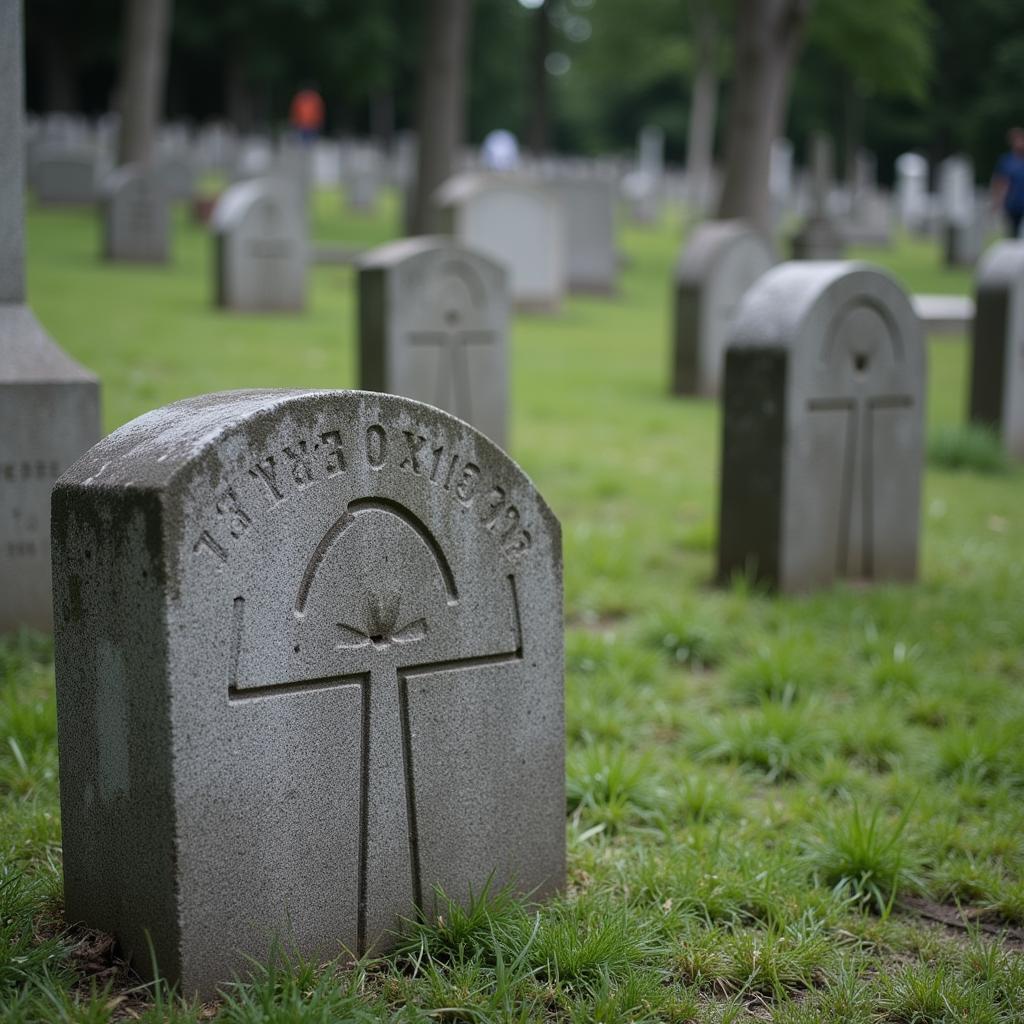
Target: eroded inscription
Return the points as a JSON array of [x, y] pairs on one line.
[[275, 478]]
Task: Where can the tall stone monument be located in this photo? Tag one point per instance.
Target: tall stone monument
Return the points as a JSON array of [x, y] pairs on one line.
[[722, 259], [135, 216], [340, 685], [820, 237], [823, 429], [433, 325], [997, 345], [261, 247], [49, 405]]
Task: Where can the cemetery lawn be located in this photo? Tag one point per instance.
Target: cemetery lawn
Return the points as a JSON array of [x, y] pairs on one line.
[[795, 810]]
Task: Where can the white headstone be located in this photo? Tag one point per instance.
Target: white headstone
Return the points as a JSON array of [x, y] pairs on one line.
[[135, 216], [591, 255]]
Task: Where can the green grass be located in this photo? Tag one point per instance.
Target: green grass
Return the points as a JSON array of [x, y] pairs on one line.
[[763, 793]]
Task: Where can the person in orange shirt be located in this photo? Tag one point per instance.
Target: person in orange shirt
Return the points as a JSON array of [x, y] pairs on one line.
[[307, 114]]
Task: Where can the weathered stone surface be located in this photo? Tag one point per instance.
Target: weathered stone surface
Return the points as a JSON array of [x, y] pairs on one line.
[[135, 216], [515, 222], [309, 665], [64, 176], [49, 405], [588, 205], [823, 429], [722, 259], [997, 345], [433, 325], [261, 247]]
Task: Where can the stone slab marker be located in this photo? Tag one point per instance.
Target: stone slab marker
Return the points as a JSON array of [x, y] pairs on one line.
[[588, 205], [433, 325], [997, 345], [823, 429], [49, 405], [722, 259], [516, 222], [819, 238], [135, 215], [340, 683], [261, 247]]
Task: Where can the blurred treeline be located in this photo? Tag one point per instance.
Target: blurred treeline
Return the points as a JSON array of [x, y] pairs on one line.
[[891, 75]]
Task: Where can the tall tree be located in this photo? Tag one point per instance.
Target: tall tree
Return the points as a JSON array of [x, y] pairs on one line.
[[143, 77], [700, 138], [768, 36], [537, 128], [441, 122]]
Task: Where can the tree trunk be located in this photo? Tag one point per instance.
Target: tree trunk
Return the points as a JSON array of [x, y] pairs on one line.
[[441, 120], [700, 141], [853, 130], [143, 76], [768, 36], [537, 129]]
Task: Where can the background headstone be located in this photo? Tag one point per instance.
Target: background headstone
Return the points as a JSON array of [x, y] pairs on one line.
[[62, 176], [515, 222], [49, 405], [340, 684], [912, 191], [722, 259], [433, 325], [997, 345], [823, 429], [135, 216], [588, 205], [819, 238], [261, 247]]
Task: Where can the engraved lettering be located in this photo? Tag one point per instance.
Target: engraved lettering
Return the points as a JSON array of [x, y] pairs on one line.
[[416, 443], [208, 543], [465, 489], [238, 520], [301, 466], [267, 475], [511, 521], [438, 452], [495, 503], [376, 446], [518, 546], [451, 471], [334, 455]]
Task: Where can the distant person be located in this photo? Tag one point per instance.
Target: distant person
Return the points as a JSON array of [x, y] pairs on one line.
[[307, 114], [1008, 182]]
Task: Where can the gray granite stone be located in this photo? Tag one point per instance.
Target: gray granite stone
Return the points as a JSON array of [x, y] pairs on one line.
[[309, 666], [588, 205], [517, 223], [261, 247], [820, 238], [997, 345], [66, 177], [823, 432], [49, 405], [722, 259], [135, 215], [433, 325], [944, 314]]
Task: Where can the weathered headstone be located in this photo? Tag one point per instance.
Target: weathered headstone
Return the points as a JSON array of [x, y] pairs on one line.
[[823, 433], [959, 211], [997, 345], [517, 223], [433, 325], [340, 685], [912, 190], [49, 405], [135, 216], [178, 173], [722, 259], [819, 238], [588, 205], [261, 247], [62, 176]]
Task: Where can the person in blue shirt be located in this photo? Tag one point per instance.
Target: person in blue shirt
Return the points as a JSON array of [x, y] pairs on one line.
[[1008, 182]]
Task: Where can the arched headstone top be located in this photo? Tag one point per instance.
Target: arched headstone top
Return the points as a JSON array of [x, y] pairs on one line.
[[710, 244], [245, 198], [402, 249], [1002, 265]]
